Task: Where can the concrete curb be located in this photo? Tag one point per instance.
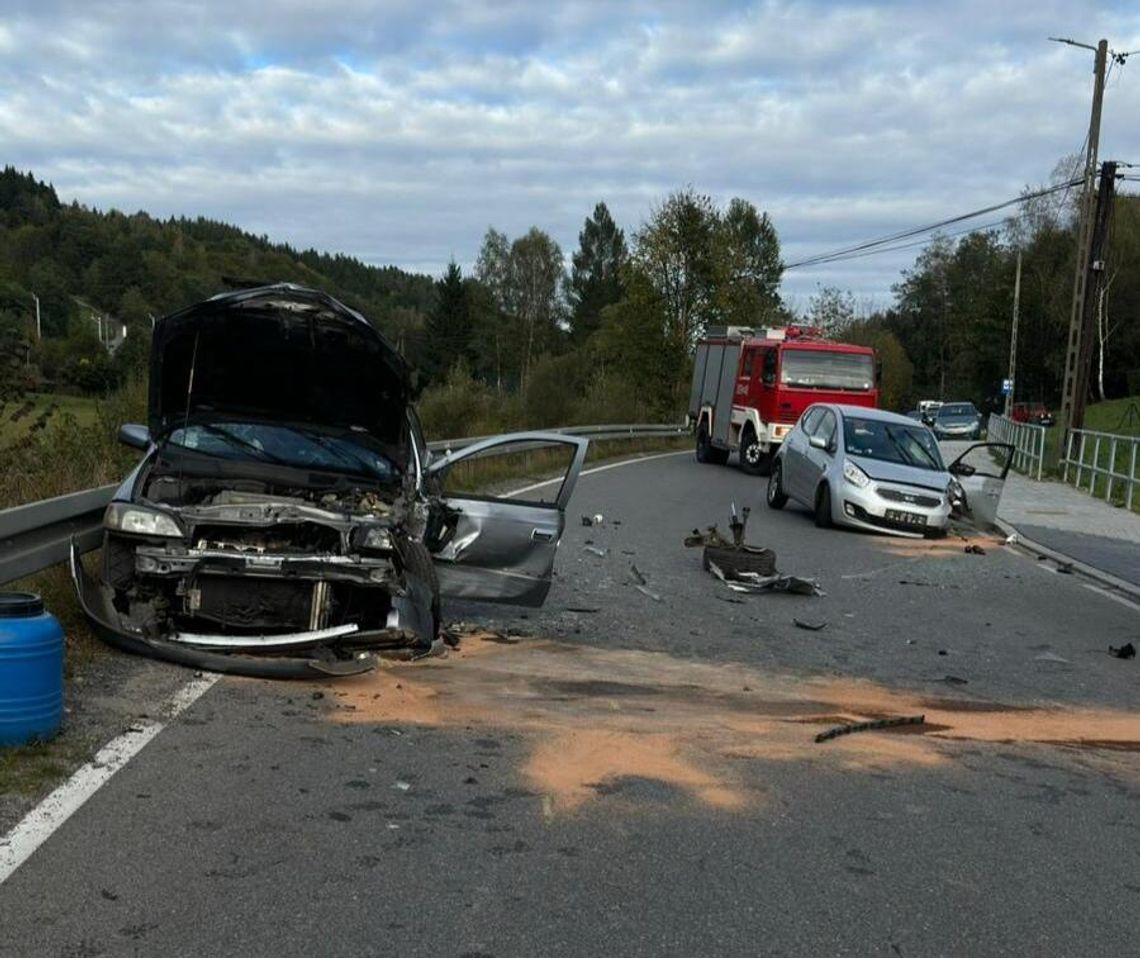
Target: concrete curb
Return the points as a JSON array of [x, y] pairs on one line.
[[1091, 572]]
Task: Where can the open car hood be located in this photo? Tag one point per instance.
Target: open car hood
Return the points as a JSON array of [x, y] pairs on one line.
[[281, 353]]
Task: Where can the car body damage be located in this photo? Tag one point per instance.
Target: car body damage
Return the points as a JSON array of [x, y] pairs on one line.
[[286, 517]]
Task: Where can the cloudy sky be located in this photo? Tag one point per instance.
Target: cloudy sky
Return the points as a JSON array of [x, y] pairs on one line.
[[397, 131]]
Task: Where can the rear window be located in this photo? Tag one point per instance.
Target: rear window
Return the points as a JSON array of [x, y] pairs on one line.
[[957, 409], [817, 369]]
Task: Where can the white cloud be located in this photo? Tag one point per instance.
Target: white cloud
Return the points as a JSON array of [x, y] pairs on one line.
[[397, 135]]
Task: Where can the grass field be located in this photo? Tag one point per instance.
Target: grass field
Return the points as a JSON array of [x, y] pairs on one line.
[[21, 417]]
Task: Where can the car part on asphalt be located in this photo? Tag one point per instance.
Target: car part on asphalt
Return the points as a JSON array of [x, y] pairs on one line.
[[752, 582], [1126, 651], [974, 549], [872, 725], [810, 626]]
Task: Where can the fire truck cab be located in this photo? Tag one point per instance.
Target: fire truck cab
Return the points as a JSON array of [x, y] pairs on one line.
[[751, 385]]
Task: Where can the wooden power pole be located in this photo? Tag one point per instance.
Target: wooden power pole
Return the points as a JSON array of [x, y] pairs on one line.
[[1072, 403], [1013, 340]]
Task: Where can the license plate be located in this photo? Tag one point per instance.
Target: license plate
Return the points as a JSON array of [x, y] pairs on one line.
[[908, 518]]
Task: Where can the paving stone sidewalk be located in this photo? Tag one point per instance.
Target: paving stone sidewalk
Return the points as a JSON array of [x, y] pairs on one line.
[[1075, 524]]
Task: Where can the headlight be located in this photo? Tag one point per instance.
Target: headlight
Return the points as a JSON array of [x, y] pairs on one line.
[[377, 538], [854, 475], [139, 521]]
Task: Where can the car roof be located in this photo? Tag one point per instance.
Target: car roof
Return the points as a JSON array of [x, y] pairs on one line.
[[866, 412]]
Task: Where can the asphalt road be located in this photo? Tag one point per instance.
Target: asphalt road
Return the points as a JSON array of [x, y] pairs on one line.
[[639, 777]]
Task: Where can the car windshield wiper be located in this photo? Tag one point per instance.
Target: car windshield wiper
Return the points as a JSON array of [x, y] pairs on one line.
[[236, 440], [906, 452]]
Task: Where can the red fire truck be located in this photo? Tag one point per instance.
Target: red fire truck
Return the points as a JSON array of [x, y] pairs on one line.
[[750, 386]]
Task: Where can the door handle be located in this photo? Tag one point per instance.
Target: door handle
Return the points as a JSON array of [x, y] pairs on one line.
[[542, 535]]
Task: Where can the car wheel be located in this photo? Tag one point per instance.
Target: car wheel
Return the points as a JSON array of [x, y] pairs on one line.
[[777, 498], [753, 459], [417, 561], [823, 507]]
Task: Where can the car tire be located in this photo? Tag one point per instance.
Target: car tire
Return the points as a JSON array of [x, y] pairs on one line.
[[777, 498], [753, 459], [823, 507], [417, 561]]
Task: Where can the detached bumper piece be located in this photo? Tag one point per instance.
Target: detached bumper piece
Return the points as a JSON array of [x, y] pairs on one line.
[[313, 653]]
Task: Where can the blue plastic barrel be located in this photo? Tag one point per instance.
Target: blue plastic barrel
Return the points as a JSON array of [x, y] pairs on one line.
[[31, 669]]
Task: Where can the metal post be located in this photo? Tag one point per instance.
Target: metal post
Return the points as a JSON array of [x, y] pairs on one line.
[[1111, 470], [39, 333], [1132, 473]]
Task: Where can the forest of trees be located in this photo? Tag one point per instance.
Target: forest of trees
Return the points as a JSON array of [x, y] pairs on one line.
[[535, 337]]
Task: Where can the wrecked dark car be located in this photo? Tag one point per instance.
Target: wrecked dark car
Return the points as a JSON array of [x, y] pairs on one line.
[[287, 518]]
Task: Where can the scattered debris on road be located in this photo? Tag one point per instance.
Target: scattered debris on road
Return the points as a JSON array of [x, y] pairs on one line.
[[954, 680], [594, 550], [753, 582], [872, 725], [1126, 651], [974, 549], [587, 521], [637, 575], [645, 590], [810, 626], [1012, 539], [1050, 657], [745, 568]]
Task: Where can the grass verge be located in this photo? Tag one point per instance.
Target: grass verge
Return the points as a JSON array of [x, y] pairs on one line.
[[1120, 417]]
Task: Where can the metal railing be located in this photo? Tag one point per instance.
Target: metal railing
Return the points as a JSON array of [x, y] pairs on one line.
[[1027, 439], [1117, 466], [39, 534]]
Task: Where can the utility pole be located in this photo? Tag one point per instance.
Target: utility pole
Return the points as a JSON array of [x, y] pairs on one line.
[[1072, 408], [39, 334], [1013, 340], [1094, 281]]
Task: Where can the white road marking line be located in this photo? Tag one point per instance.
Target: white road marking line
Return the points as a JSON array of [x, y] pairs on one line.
[[590, 472], [1110, 595], [38, 825]]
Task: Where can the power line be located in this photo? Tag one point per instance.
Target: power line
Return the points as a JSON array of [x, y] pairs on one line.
[[828, 257]]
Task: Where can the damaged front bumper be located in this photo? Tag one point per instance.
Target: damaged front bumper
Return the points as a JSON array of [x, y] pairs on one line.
[[322, 649]]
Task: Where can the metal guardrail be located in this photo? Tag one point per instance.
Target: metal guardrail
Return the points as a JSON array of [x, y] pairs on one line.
[[1089, 441], [1027, 439], [39, 534]]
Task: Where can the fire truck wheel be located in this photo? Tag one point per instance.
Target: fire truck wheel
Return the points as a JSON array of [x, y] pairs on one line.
[[706, 451], [823, 507], [777, 498], [752, 458]]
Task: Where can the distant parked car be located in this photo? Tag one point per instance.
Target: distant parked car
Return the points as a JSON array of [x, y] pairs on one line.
[[1032, 412], [880, 471], [916, 415], [957, 420]]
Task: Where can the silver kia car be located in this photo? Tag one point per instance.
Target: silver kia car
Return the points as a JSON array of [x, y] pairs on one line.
[[877, 470]]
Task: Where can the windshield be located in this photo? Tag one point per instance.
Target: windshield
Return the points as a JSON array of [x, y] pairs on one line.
[[287, 446], [892, 442], [820, 369], [957, 410]]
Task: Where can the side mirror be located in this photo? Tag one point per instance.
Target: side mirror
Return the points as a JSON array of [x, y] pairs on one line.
[[961, 469], [135, 435], [818, 442]]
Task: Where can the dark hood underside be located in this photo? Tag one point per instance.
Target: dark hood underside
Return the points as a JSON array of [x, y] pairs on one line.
[[279, 353]]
